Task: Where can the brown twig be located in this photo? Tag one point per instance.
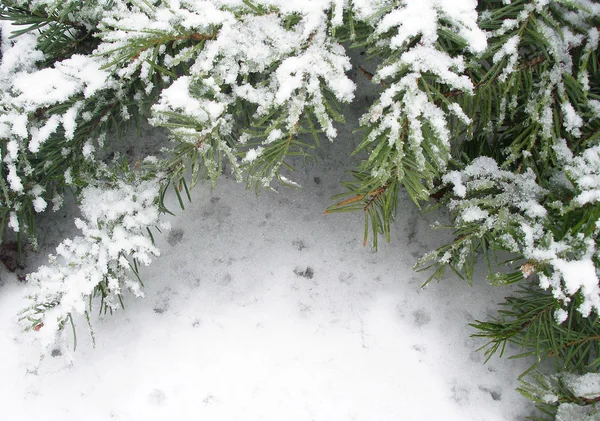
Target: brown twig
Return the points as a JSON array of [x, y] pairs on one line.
[[375, 194], [370, 76], [367, 74], [349, 201], [576, 342]]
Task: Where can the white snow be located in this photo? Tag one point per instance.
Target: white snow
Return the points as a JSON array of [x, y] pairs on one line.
[[252, 154], [39, 136], [420, 17], [177, 98], [14, 180], [510, 50], [18, 54], [39, 204], [114, 226], [13, 222], [595, 107], [51, 85], [587, 385], [235, 326], [455, 178], [572, 412], [289, 182], [560, 315], [572, 120], [473, 213], [584, 170]]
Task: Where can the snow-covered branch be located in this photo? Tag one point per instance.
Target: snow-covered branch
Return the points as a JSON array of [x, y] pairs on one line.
[[102, 261]]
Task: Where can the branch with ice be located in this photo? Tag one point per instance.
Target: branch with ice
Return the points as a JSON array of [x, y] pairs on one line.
[[583, 171], [409, 115], [561, 41], [26, 122], [102, 261], [575, 396], [282, 63], [513, 212], [488, 200]]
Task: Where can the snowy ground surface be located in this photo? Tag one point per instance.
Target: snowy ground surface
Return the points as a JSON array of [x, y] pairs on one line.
[[261, 308]]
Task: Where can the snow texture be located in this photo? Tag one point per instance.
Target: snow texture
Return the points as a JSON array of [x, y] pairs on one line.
[[262, 308], [585, 386]]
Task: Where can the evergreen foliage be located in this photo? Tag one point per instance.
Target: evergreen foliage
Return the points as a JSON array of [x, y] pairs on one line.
[[490, 109]]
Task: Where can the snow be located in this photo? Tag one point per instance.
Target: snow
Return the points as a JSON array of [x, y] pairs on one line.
[[455, 178], [572, 121], [587, 385], [273, 136], [39, 136], [420, 17], [573, 412], [593, 39], [584, 170], [579, 274], [366, 9], [14, 181], [288, 182], [235, 326], [510, 49], [13, 222], [114, 226], [69, 120], [595, 107], [473, 213], [425, 59], [570, 259], [252, 154], [18, 54], [178, 99], [458, 112], [39, 204], [51, 85], [560, 315]]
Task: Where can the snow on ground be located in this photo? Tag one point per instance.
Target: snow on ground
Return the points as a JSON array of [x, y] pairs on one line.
[[261, 308]]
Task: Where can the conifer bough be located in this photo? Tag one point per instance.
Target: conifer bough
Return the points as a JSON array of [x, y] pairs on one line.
[[490, 109]]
